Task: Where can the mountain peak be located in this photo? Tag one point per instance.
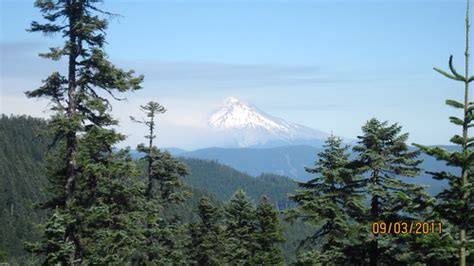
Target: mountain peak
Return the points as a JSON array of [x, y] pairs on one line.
[[236, 114], [231, 101], [251, 126]]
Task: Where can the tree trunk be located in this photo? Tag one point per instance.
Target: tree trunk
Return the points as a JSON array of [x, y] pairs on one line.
[[465, 169], [374, 249], [150, 159], [374, 212], [71, 138]]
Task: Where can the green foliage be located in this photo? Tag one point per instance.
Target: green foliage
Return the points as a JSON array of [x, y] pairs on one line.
[[165, 238], [240, 229], [384, 157], [431, 249], [107, 208], [109, 224], [223, 181], [54, 245], [268, 234], [329, 201], [94, 187], [168, 221], [22, 182], [207, 242], [456, 202], [168, 173]]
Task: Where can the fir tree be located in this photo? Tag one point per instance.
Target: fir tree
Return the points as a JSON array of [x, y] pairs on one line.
[[162, 168], [207, 245], [110, 213], [80, 114], [55, 246], [240, 229], [456, 202], [151, 109], [164, 237], [328, 201], [268, 235], [384, 157]]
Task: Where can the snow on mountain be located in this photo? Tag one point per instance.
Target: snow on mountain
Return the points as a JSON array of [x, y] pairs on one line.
[[248, 126]]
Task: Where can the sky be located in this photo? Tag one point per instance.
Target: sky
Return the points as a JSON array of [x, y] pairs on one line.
[[329, 65]]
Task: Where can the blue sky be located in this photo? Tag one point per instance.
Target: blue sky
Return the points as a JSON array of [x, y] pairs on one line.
[[330, 65]]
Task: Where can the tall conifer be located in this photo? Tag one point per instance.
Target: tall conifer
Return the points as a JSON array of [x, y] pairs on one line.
[[328, 201], [207, 244], [164, 186], [268, 235], [240, 229], [456, 202], [81, 112], [384, 157]]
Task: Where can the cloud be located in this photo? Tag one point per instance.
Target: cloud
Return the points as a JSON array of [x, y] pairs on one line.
[[18, 47], [20, 105], [222, 78], [22, 69]]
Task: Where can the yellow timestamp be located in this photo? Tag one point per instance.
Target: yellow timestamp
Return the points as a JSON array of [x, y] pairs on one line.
[[405, 228]]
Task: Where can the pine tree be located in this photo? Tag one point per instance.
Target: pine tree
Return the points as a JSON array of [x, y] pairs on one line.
[[456, 202], [55, 245], [80, 115], [151, 109], [268, 234], [109, 213], [165, 238], [328, 201], [207, 244], [384, 157], [162, 169], [240, 229]]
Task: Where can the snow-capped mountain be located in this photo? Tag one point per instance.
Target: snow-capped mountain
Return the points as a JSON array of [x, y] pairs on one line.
[[248, 126]]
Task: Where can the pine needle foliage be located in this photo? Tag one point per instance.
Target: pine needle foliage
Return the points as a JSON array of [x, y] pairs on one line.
[[86, 175], [268, 235], [207, 243], [328, 202], [240, 223], [456, 202], [383, 160], [165, 239]]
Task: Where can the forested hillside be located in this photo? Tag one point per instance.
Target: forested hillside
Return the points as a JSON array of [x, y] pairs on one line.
[[223, 181], [291, 161], [285, 160], [24, 185], [23, 181]]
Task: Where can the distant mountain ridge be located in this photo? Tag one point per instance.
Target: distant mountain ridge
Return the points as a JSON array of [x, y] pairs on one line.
[[291, 161], [285, 160], [247, 126]]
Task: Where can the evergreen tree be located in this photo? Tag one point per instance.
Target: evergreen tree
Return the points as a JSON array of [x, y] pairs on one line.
[[268, 234], [82, 177], [328, 201], [162, 168], [207, 245], [456, 202], [384, 157], [240, 229], [151, 109], [165, 238], [55, 245], [109, 215]]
